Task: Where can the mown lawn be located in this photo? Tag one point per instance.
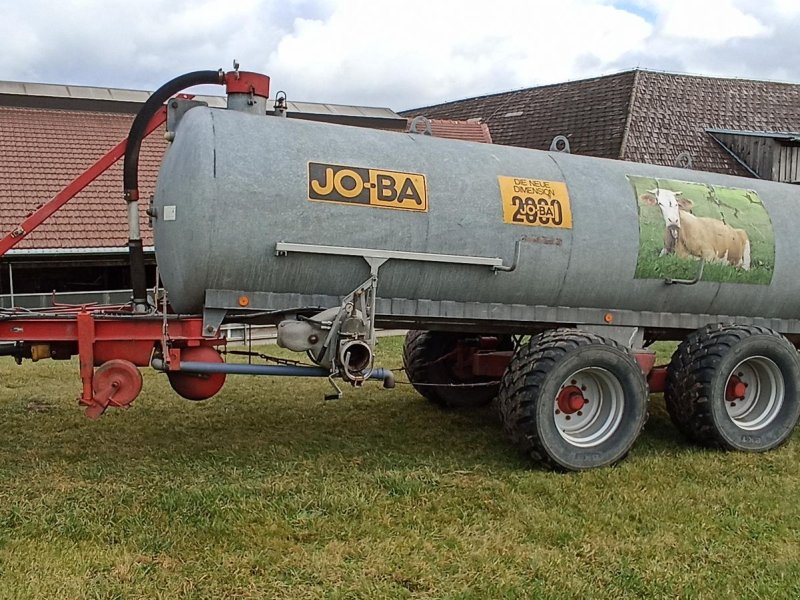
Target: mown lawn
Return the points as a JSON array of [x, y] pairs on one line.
[[268, 492]]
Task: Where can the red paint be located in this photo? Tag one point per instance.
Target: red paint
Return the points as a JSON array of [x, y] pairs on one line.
[[491, 364], [123, 342], [197, 386], [245, 82], [85, 334], [657, 380], [137, 352], [646, 360], [735, 390], [570, 400], [106, 329], [116, 383]]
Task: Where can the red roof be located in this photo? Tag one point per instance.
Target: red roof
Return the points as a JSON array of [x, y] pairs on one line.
[[470, 131], [42, 150]]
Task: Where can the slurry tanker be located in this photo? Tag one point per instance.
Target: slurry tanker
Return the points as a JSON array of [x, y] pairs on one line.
[[536, 280]]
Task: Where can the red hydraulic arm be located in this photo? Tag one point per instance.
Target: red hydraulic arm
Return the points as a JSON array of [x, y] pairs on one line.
[[74, 187]]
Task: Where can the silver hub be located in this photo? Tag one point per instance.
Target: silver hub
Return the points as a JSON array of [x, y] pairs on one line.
[[763, 394], [600, 415]]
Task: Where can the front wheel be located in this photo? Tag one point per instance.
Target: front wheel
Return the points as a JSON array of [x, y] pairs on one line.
[[573, 400], [734, 387]]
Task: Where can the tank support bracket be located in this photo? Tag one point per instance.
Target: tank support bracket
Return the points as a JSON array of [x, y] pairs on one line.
[[212, 321], [284, 248]]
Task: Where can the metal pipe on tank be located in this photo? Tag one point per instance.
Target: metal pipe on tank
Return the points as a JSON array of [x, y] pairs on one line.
[[11, 283], [384, 375], [130, 172]]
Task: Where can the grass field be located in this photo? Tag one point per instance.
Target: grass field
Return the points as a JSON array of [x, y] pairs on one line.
[[268, 492]]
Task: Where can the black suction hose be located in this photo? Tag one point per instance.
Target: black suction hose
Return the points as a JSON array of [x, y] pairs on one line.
[[130, 173]]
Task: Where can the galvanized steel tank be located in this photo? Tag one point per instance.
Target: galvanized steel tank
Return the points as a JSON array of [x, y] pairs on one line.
[[232, 185]]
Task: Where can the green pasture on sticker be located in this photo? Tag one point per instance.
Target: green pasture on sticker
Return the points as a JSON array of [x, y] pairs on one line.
[[714, 213]]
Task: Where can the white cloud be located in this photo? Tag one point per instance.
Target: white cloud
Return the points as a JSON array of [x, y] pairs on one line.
[[398, 54], [712, 21], [429, 51]]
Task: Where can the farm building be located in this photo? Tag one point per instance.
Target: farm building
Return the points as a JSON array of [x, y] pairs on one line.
[[50, 134], [734, 126]]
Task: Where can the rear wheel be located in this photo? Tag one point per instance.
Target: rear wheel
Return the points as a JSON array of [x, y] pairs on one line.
[[434, 359], [573, 400], [734, 387]]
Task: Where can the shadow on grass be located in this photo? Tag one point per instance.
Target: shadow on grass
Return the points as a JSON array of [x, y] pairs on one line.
[[269, 425]]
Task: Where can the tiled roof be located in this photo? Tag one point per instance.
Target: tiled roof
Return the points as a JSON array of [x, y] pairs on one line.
[[636, 115], [43, 150], [671, 113], [470, 131], [591, 113]]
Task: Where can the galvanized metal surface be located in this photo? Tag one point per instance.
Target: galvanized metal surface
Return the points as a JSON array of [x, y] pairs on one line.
[[488, 317], [240, 185], [282, 249]]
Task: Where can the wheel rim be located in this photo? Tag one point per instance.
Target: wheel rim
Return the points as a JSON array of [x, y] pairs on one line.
[[754, 393], [589, 407]]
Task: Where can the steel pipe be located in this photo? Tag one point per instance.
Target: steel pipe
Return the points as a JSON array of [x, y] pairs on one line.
[[384, 375]]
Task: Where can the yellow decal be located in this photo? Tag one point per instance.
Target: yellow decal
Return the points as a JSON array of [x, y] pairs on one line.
[[535, 203], [367, 187]]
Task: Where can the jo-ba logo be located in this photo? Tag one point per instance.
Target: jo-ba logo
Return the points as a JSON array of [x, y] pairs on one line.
[[368, 187], [535, 202]]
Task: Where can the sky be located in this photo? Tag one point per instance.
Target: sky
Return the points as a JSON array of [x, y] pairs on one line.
[[400, 54]]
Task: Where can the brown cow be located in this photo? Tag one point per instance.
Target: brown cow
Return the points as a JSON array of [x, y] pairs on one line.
[[699, 237]]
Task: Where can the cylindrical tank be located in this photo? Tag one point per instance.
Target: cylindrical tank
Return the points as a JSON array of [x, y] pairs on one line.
[[232, 185]]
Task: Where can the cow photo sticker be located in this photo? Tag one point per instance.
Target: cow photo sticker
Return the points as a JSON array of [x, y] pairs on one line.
[[682, 224]]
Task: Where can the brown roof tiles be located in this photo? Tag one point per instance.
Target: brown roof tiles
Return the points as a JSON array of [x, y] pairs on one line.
[[41, 151], [591, 113], [636, 115]]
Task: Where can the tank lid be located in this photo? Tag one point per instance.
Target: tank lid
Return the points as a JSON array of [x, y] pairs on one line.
[[245, 82]]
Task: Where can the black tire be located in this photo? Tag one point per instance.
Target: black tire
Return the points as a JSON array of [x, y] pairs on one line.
[[425, 359], [551, 363], [703, 406]]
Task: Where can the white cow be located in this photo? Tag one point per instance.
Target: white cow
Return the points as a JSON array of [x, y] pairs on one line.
[[700, 237]]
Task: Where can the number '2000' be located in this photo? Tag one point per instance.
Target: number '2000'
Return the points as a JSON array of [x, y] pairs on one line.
[[542, 211]]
